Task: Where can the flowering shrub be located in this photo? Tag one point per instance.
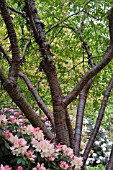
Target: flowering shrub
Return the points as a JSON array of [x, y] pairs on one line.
[[24, 147], [102, 146]]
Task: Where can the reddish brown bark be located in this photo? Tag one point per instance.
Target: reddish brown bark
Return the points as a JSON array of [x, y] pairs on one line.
[[21, 102], [80, 115], [48, 65], [38, 98], [108, 56], [110, 163], [15, 65], [91, 73], [98, 122]]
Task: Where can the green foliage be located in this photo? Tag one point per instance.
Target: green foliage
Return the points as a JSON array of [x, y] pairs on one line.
[[99, 167]]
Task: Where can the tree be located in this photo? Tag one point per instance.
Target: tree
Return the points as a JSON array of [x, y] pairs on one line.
[[31, 25]]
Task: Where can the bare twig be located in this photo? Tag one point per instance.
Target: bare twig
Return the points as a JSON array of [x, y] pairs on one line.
[[5, 55], [90, 14], [16, 11], [62, 21], [25, 48]]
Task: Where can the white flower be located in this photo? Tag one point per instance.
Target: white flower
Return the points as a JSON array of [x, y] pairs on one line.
[[107, 154], [97, 142], [103, 145], [101, 158], [94, 155], [98, 161]]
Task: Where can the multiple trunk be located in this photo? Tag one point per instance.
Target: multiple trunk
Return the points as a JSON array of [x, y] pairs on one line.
[[61, 121]]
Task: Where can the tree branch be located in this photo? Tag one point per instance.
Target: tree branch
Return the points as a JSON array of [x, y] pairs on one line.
[[110, 17], [5, 55], [16, 11], [62, 21], [83, 94], [24, 49], [91, 73], [40, 102], [96, 69], [20, 101], [85, 45], [15, 65], [98, 122], [80, 115], [49, 68], [110, 163]]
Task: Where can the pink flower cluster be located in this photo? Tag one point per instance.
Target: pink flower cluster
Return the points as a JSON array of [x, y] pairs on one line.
[[30, 155], [44, 147], [19, 145], [37, 144], [64, 165], [6, 167], [39, 167]]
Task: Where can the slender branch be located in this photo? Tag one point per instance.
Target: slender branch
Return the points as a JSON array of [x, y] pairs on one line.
[[13, 75], [40, 102], [96, 69], [89, 14], [5, 55], [85, 45], [91, 73], [62, 21], [110, 17], [110, 163], [16, 11], [20, 101], [98, 122], [80, 115], [31, 88], [25, 48], [70, 129], [82, 96]]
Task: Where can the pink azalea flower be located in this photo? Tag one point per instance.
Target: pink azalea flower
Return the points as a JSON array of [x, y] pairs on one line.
[[64, 165], [20, 168], [41, 167], [22, 142], [6, 167], [8, 133]]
